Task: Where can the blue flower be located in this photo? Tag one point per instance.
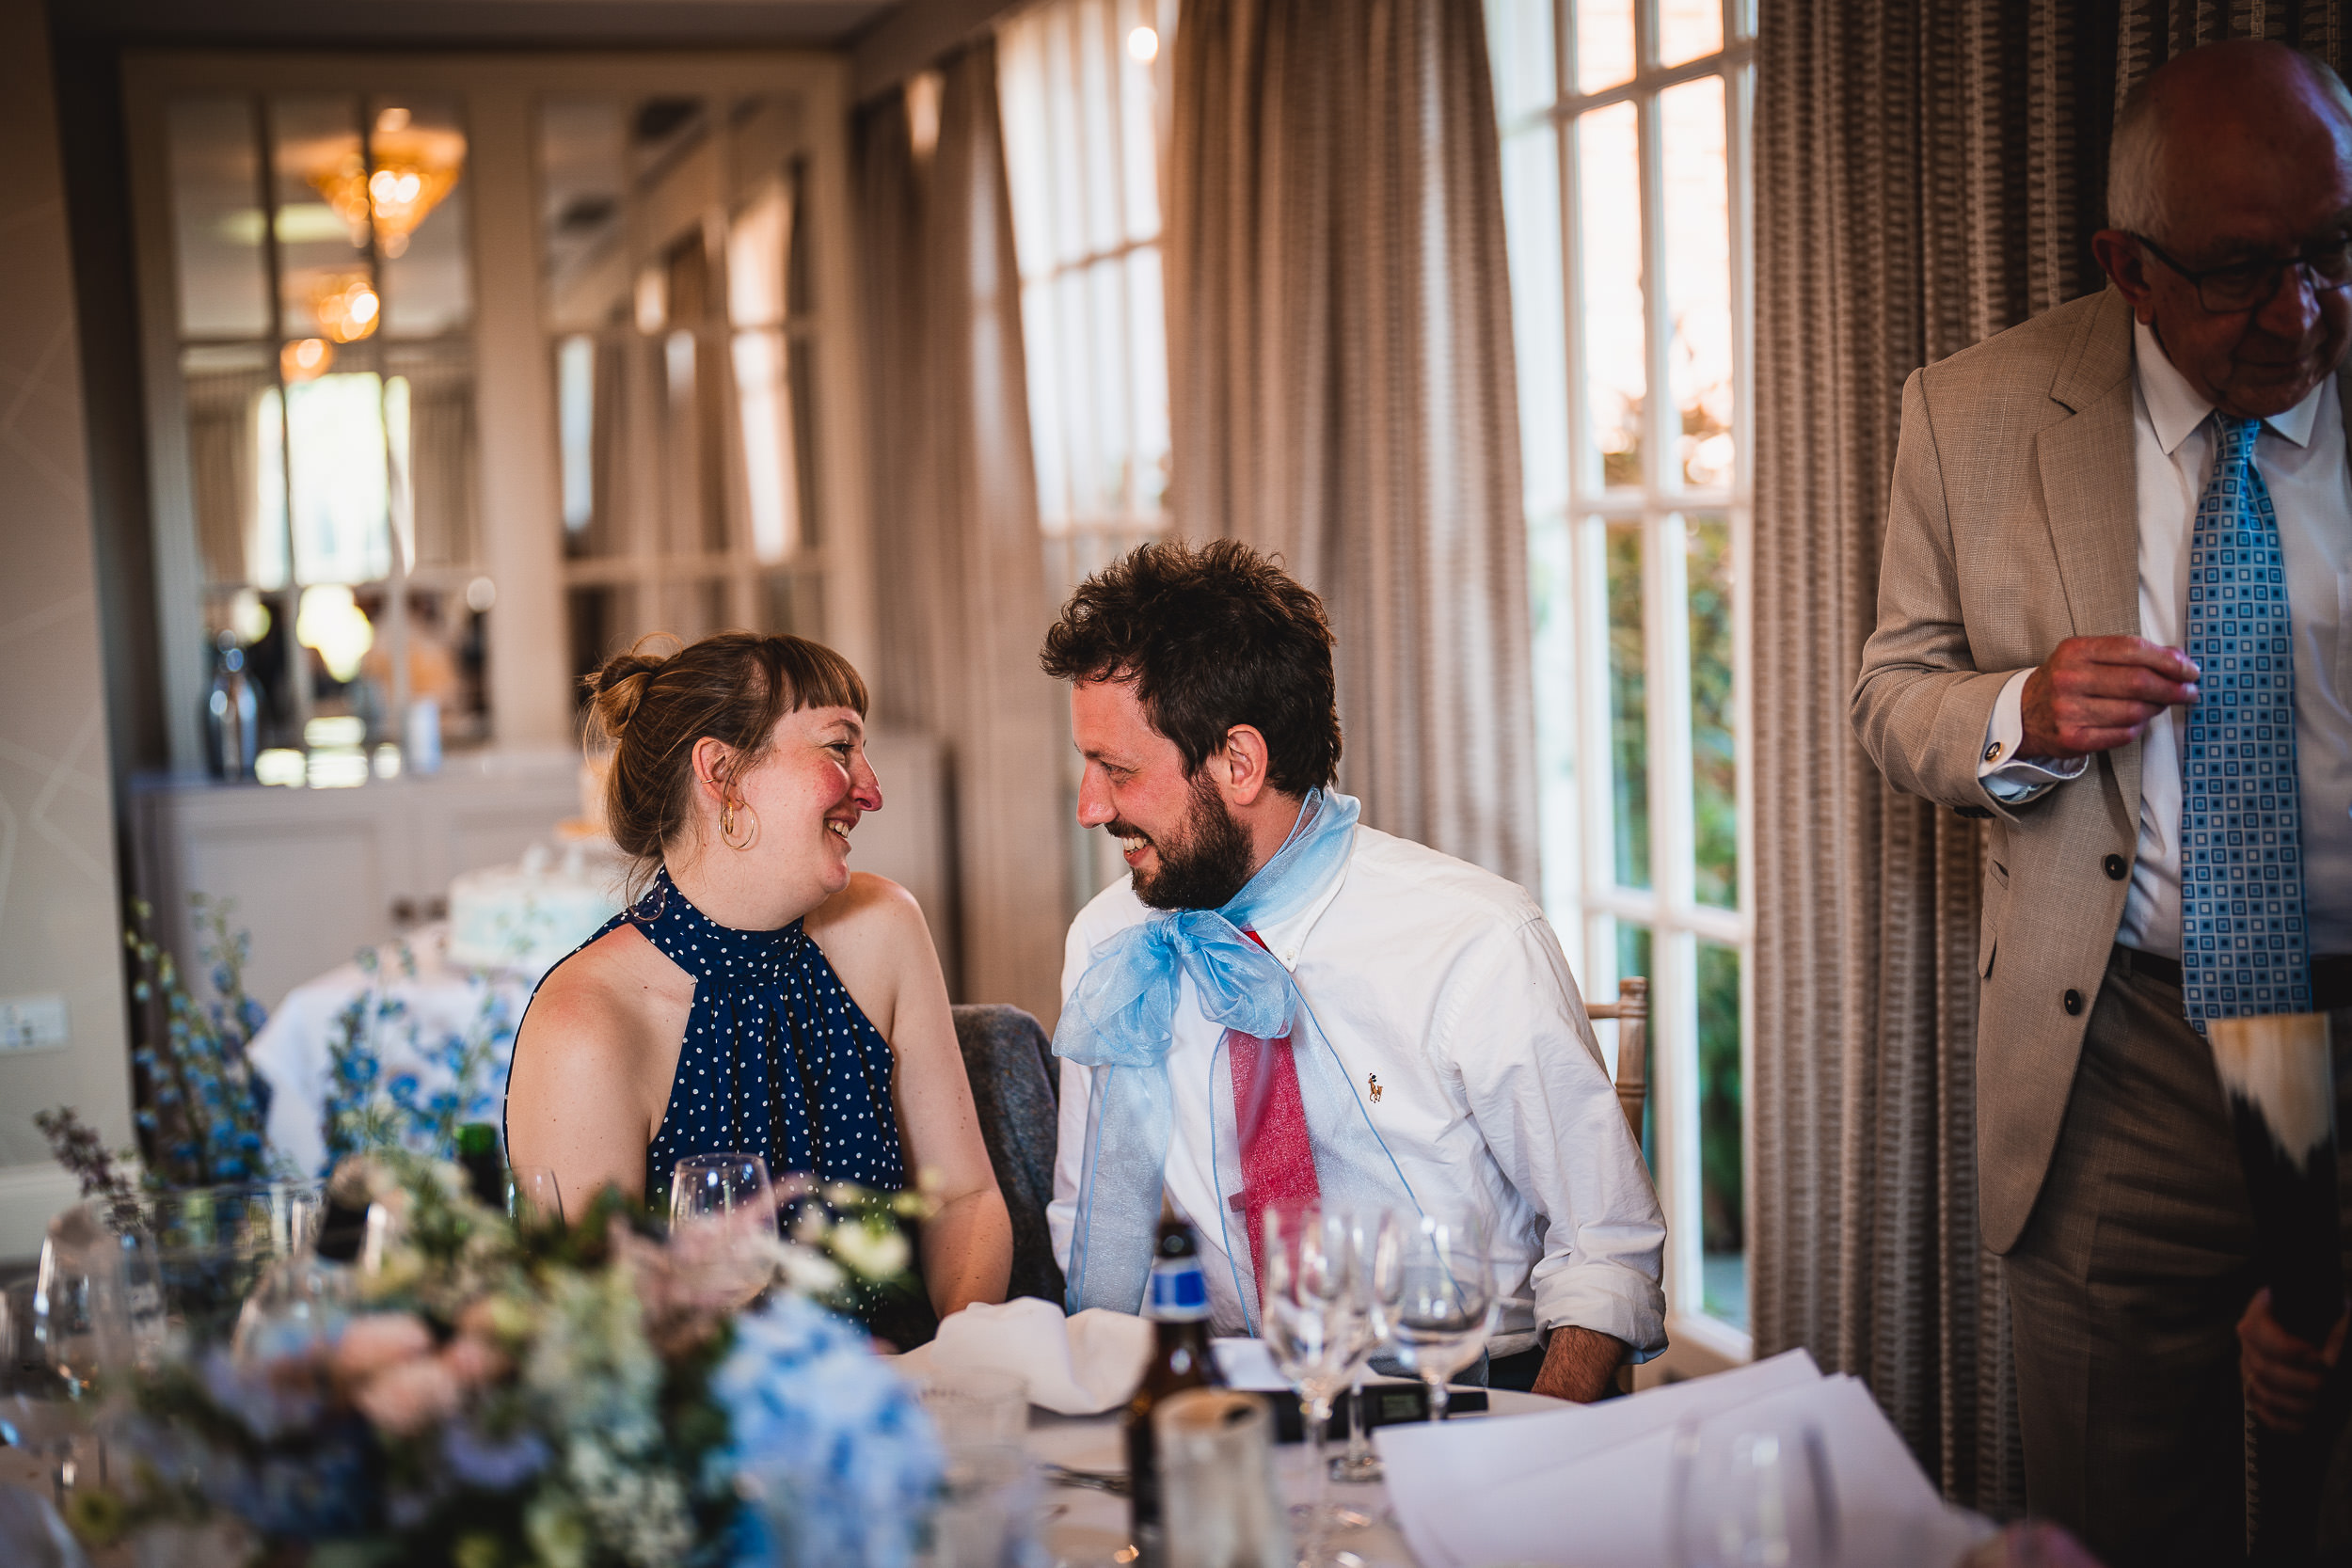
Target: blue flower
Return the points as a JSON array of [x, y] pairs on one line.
[[492, 1463], [835, 1444]]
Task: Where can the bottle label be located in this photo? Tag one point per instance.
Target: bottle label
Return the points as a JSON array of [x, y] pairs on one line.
[[1179, 1294]]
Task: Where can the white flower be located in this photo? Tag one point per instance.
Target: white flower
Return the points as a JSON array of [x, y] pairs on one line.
[[877, 1254]]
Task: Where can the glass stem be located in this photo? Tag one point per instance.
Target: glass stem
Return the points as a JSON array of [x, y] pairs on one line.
[[1437, 1398], [1359, 1442], [1318, 1413]]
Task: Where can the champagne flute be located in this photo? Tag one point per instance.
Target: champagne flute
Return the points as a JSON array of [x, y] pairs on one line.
[[1750, 1497], [1438, 1295], [1317, 1326]]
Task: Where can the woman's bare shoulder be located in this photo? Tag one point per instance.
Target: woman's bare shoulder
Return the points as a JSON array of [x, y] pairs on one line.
[[604, 996], [870, 909]]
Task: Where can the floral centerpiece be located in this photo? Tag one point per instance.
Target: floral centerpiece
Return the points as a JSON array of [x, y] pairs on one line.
[[488, 1396]]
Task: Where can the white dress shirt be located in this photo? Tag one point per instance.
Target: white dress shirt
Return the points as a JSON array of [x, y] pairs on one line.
[[1444, 982], [2300, 454]]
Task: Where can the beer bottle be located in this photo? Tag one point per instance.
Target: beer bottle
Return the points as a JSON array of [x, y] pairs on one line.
[[1176, 1301], [485, 1172]]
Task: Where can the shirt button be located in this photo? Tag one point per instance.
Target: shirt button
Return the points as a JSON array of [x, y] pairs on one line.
[[2114, 867], [2073, 1002]]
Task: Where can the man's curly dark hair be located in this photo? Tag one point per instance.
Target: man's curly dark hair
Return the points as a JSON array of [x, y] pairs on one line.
[[1211, 637]]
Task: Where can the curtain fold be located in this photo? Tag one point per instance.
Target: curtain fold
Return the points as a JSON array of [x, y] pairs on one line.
[[1925, 177], [962, 607], [1341, 385]]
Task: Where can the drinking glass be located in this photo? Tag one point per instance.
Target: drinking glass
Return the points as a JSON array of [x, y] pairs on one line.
[[976, 1406], [534, 1202], [1371, 1239], [210, 1246], [36, 1409], [1316, 1312], [1751, 1497], [1437, 1295], [729, 1186]]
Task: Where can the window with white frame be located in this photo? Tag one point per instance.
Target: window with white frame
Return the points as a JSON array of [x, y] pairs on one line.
[[1079, 90], [1626, 196]]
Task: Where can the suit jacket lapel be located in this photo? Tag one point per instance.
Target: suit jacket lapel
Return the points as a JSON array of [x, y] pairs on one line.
[[2090, 495]]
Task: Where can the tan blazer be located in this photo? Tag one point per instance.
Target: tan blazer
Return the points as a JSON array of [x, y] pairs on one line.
[[2014, 525]]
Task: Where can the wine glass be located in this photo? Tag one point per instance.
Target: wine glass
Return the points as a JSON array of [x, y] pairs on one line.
[[1437, 1293], [1317, 1324], [1748, 1498], [534, 1202], [1371, 1239], [730, 1186]]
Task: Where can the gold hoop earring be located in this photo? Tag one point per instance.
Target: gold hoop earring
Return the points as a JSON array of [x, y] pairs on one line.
[[726, 825]]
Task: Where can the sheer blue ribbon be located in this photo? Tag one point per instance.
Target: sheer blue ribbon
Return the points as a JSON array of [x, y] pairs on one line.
[[1120, 1022]]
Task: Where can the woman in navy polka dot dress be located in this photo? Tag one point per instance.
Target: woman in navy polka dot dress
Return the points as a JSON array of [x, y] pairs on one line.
[[758, 995]]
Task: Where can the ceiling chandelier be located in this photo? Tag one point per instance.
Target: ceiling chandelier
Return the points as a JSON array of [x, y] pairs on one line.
[[347, 305], [414, 169]]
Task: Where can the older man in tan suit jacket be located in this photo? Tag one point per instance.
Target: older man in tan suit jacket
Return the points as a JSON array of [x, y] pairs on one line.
[[2024, 669]]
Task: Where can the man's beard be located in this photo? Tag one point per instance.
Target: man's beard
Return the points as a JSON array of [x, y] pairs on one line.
[[1204, 869]]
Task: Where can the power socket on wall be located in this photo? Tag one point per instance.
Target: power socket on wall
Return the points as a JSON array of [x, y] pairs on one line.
[[33, 1023]]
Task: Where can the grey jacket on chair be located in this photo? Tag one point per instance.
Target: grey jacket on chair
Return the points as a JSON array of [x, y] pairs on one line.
[[1014, 1088]]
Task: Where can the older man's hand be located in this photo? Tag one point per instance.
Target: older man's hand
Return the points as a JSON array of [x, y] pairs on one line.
[[2094, 693], [2283, 1373]]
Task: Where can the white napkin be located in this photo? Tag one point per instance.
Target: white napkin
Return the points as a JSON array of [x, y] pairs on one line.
[[1079, 1366]]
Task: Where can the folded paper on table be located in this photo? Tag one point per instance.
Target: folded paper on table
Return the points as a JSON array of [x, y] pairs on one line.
[[1589, 1485], [1079, 1366]]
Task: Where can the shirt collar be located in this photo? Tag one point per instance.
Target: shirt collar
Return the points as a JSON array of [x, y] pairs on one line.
[[1286, 939], [2175, 409]]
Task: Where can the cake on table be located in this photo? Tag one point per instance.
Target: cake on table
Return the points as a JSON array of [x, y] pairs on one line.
[[528, 917]]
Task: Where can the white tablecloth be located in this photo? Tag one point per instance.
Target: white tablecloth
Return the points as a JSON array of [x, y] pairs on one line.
[[416, 1012]]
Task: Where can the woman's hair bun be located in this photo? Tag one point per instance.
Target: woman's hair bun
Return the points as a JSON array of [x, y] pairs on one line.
[[620, 686]]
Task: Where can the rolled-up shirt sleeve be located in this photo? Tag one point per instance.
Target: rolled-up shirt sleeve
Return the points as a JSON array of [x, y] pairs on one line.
[[1513, 1029]]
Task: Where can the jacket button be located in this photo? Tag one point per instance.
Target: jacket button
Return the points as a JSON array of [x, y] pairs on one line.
[[2073, 1002], [2114, 867]]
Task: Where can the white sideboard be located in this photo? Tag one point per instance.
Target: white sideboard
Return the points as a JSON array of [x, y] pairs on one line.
[[320, 874]]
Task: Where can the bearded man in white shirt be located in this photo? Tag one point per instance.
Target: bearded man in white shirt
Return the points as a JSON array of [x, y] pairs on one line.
[[2115, 611], [1280, 1006]]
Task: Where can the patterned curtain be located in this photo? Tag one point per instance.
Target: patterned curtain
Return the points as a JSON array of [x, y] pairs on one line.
[[956, 528], [1926, 176], [1341, 383]]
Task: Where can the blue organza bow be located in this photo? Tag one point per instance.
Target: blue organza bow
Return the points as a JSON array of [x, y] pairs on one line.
[[1120, 1020]]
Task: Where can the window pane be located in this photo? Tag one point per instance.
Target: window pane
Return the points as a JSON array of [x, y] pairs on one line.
[[1552, 608], [1714, 772], [1530, 204], [763, 405], [1635, 957], [1722, 1209], [434, 452], [1609, 210], [760, 243], [217, 225], [1629, 709], [417, 155], [1048, 430], [338, 470], [1698, 277], [1519, 43], [1140, 177], [240, 506], [582, 148], [326, 289], [1147, 331], [1604, 43], [1688, 28]]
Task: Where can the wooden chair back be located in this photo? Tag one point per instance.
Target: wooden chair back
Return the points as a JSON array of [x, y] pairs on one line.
[[1631, 1012]]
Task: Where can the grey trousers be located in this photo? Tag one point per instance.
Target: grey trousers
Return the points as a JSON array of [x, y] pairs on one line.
[[2127, 1288]]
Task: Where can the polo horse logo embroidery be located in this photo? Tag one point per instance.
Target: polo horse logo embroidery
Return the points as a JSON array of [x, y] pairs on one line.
[[1371, 1082]]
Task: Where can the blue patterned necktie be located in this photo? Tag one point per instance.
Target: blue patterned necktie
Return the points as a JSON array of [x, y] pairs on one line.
[[2241, 937]]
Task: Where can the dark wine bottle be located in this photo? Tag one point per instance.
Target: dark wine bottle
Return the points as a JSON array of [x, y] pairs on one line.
[[1176, 1301], [484, 1166]]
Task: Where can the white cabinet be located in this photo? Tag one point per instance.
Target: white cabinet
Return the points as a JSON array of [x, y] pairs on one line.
[[319, 874]]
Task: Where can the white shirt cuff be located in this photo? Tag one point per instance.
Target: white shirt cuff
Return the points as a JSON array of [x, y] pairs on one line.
[[2005, 776]]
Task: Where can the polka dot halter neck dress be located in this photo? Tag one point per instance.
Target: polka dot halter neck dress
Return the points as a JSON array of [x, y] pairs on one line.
[[777, 1061]]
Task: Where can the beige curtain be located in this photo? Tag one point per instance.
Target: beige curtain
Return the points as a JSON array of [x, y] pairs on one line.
[[1342, 381], [1924, 176], [956, 530]]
